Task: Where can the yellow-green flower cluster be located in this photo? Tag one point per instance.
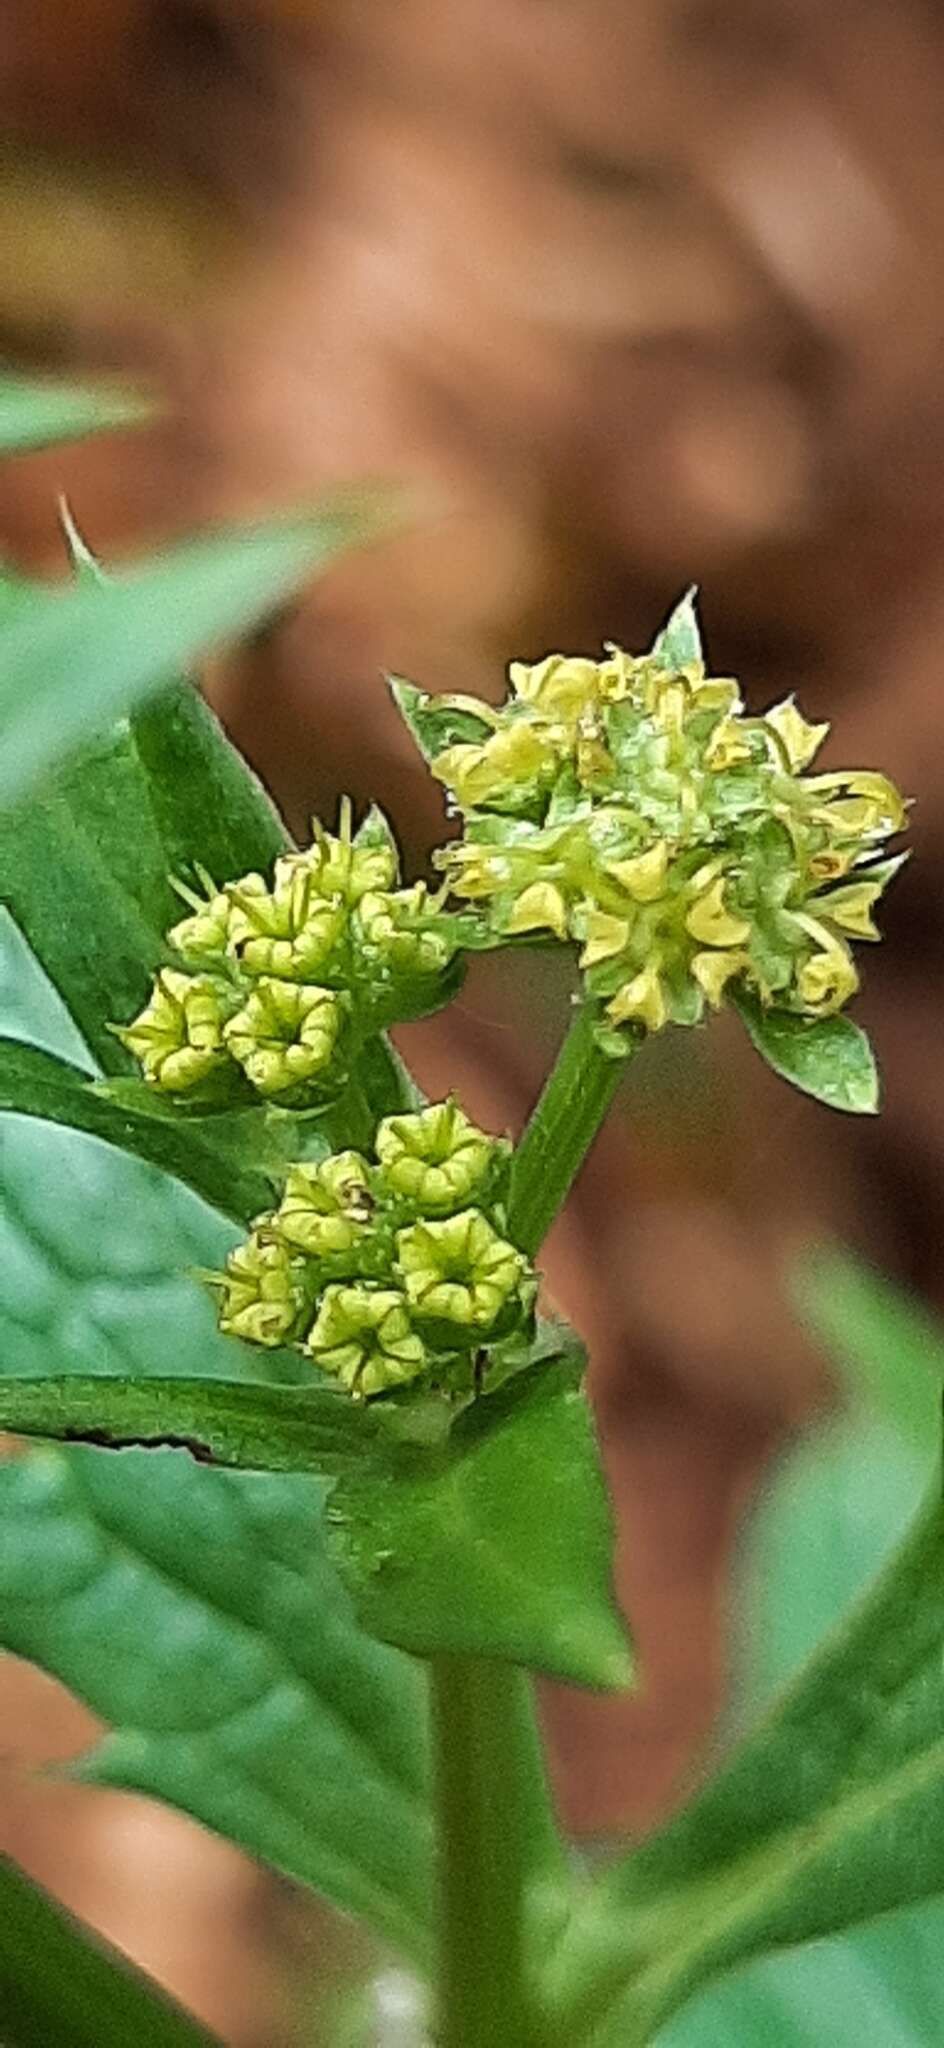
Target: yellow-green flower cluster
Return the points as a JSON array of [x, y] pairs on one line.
[[276, 980], [387, 1269], [634, 806]]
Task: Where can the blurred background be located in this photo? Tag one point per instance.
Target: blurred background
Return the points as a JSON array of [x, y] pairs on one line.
[[629, 298]]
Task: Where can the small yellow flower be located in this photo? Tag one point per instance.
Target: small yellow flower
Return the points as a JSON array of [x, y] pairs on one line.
[[640, 1001], [643, 877], [604, 936], [799, 739], [560, 687], [509, 759], [828, 978], [711, 922], [539, 908]]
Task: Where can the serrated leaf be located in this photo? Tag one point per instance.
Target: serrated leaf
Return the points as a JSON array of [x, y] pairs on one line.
[[62, 1987], [434, 722], [70, 661], [831, 1813], [37, 412], [828, 1057], [679, 643], [459, 1556]]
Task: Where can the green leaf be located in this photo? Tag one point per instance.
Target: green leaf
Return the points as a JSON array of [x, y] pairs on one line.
[[460, 1556], [36, 413], [209, 807], [249, 1425], [679, 643], [437, 1527], [829, 1514], [886, 1344], [196, 1611], [829, 1057], [435, 723], [83, 873], [216, 1156], [60, 1985], [832, 1813], [70, 661]]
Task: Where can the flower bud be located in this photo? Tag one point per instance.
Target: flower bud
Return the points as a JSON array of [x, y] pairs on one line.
[[436, 1159], [285, 1036], [289, 931], [363, 1335], [326, 1210], [179, 1036], [261, 1295], [459, 1275]]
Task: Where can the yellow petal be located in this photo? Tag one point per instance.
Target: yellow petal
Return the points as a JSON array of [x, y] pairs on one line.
[[605, 936], [828, 978], [643, 878], [561, 685], [728, 745], [640, 1001], [710, 921], [539, 908], [851, 909], [713, 971], [799, 739]]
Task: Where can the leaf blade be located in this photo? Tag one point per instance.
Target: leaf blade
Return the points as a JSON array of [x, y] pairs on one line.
[[74, 661], [829, 1058], [38, 413], [58, 1983]]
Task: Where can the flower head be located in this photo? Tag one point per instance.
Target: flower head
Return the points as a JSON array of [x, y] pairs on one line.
[[280, 977], [388, 1268], [633, 806]]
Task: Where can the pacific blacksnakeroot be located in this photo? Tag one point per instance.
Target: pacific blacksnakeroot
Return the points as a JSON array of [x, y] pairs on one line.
[[629, 807]]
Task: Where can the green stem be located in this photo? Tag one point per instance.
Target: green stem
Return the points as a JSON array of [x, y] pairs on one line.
[[486, 1808], [568, 1115], [496, 1831]]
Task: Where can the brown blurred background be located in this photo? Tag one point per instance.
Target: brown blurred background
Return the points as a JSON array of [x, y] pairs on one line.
[[631, 298]]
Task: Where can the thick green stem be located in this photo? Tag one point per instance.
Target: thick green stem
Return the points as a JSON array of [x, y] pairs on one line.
[[568, 1115], [485, 1803]]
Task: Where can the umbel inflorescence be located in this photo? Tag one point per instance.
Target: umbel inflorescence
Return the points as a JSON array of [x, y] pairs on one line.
[[632, 805], [388, 1268], [276, 982]]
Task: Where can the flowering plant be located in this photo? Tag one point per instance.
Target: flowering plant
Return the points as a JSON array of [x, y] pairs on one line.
[[351, 1522]]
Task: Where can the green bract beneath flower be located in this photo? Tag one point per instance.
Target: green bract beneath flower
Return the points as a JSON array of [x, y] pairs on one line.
[[281, 980], [632, 805], [387, 1269]]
